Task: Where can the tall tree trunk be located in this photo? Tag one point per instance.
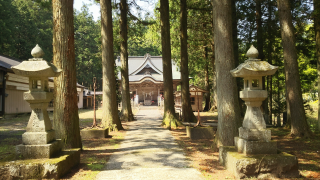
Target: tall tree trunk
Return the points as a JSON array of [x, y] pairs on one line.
[[316, 5], [126, 111], [206, 81], [269, 49], [236, 53], [235, 35], [228, 105], [260, 43], [110, 115], [65, 115], [214, 86], [299, 126], [187, 113], [213, 62], [259, 30], [169, 117]]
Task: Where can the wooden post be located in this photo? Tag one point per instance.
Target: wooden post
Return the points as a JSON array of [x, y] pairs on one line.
[[198, 107], [94, 104], [199, 121]]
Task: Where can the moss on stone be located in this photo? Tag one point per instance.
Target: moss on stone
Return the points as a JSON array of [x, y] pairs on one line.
[[267, 166], [37, 168], [171, 121]]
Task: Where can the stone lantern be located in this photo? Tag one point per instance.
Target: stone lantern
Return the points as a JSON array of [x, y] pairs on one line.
[[39, 139], [254, 154], [254, 138]]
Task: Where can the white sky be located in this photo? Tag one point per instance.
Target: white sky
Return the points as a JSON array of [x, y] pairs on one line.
[[95, 8]]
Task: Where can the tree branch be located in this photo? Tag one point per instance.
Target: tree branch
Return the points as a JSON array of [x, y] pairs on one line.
[[141, 21]]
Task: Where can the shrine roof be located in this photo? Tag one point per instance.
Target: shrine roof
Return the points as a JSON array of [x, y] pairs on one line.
[[137, 65], [7, 62]]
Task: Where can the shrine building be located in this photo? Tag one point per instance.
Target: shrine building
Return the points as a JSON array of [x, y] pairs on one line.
[[146, 78]]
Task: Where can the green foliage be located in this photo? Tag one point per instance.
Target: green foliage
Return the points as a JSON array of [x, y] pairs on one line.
[[88, 56], [25, 23], [141, 36]]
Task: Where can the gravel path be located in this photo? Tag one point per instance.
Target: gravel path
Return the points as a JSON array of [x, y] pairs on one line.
[[148, 152]]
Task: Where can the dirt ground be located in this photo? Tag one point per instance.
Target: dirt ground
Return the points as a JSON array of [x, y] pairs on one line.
[[96, 152], [207, 161]]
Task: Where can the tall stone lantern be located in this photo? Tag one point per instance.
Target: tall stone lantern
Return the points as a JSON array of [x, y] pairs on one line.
[[254, 138], [39, 139], [255, 155]]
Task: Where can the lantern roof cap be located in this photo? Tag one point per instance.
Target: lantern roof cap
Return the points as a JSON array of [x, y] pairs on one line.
[[36, 67], [37, 52], [253, 67]]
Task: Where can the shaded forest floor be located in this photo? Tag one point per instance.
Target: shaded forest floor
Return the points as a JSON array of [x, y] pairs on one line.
[[206, 160]]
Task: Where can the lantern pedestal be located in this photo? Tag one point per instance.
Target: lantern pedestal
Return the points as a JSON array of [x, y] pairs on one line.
[[39, 139]]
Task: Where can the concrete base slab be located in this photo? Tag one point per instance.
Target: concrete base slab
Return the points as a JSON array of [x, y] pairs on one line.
[[38, 151], [201, 132], [37, 138], [94, 133], [53, 168], [262, 166], [255, 147]]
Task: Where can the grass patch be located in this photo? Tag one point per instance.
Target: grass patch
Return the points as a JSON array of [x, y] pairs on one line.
[[95, 167]]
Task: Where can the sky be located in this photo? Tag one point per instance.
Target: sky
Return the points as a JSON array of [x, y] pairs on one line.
[[95, 8]]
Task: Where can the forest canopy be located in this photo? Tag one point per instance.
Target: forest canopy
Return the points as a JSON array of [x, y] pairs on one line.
[[25, 23]]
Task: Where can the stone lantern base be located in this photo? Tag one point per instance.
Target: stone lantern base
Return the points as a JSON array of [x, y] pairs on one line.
[[255, 147], [38, 138], [38, 151], [261, 166], [255, 141]]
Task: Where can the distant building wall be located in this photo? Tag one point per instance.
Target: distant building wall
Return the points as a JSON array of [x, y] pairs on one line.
[[15, 87], [15, 102], [80, 98]]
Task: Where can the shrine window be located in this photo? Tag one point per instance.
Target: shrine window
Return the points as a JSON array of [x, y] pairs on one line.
[[193, 100]]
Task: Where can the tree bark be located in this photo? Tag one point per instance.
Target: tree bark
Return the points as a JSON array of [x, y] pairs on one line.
[[236, 53], [269, 53], [206, 81], [213, 62], [169, 118], [187, 113], [299, 126], [65, 115], [126, 111], [110, 117], [316, 5], [228, 105], [214, 87], [260, 42]]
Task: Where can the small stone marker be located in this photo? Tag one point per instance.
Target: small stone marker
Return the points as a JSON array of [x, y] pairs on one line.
[[39, 139]]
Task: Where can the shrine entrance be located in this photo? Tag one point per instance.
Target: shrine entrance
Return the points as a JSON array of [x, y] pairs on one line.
[[146, 79], [147, 92]]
